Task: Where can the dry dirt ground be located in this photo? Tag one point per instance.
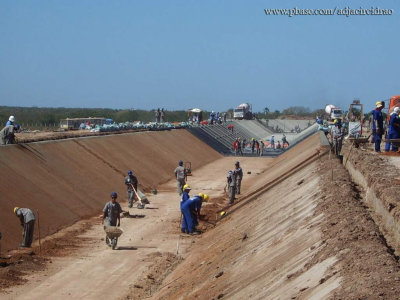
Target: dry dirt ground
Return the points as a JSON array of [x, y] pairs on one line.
[[68, 180], [308, 237]]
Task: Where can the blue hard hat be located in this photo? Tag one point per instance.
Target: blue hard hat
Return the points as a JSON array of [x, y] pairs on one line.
[[180, 163], [114, 195], [130, 173]]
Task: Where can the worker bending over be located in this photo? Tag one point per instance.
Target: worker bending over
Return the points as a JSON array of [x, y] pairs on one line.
[[27, 219], [7, 134], [191, 213]]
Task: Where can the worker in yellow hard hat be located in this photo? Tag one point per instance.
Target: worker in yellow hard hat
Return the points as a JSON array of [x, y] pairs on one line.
[[377, 125], [185, 194], [191, 213], [27, 220]]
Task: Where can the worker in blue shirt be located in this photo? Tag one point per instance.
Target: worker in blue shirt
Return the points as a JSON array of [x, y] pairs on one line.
[[377, 125], [185, 197], [191, 212], [393, 129]]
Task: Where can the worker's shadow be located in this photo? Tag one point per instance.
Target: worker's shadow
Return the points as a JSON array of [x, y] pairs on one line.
[[126, 248]]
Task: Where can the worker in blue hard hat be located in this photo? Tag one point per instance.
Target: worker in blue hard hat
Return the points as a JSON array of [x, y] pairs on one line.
[[131, 183], [111, 214]]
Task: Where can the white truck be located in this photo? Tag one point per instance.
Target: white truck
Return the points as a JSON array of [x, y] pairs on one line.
[[243, 111], [333, 112]]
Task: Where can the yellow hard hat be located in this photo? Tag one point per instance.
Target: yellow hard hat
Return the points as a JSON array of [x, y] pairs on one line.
[[15, 209], [335, 121], [206, 198], [378, 104], [222, 213], [186, 187], [201, 195]]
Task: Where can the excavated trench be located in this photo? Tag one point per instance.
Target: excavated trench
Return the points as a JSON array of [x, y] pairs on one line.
[[301, 230]]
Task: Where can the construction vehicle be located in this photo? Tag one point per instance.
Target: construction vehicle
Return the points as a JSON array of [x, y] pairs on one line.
[[333, 112], [393, 102], [243, 112], [355, 118]]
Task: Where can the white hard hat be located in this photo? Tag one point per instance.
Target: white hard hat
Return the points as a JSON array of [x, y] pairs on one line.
[[11, 119], [396, 109]]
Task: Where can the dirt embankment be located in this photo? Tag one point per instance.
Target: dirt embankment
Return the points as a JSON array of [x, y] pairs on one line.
[[71, 179], [311, 236], [381, 178]]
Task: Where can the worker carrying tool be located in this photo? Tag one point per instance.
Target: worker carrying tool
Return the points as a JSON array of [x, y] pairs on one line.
[[231, 181], [239, 176], [131, 183], [111, 214], [180, 174], [27, 219], [191, 213], [185, 194], [7, 134], [394, 129]]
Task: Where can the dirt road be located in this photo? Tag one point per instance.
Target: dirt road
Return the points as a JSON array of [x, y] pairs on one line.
[[97, 271]]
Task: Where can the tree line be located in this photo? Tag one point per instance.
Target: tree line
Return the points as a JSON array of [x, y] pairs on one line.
[[48, 117]]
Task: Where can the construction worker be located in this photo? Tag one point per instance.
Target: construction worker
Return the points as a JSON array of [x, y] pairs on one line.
[[27, 219], [158, 115], [239, 176], [185, 197], [111, 214], [272, 142], [336, 137], [262, 146], [257, 143], [10, 121], [284, 141], [162, 115], [191, 212], [231, 181], [180, 174], [131, 183], [185, 194], [377, 125], [279, 146], [393, 129], [253, 144], [7, 134]]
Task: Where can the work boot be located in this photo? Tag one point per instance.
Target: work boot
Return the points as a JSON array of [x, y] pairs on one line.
[[194, 233], [22, 246]]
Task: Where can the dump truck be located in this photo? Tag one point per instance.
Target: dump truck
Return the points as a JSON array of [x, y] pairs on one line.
[[243, 111], [333, 112], [394, 101]]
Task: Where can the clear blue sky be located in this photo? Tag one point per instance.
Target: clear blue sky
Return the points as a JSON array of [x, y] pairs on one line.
[[179, 54]]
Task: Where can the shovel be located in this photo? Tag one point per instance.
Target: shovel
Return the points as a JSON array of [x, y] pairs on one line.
[[140, 205]]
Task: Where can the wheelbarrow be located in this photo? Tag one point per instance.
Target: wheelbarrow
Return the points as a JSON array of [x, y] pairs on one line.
[[141, 198], [112, 235]]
